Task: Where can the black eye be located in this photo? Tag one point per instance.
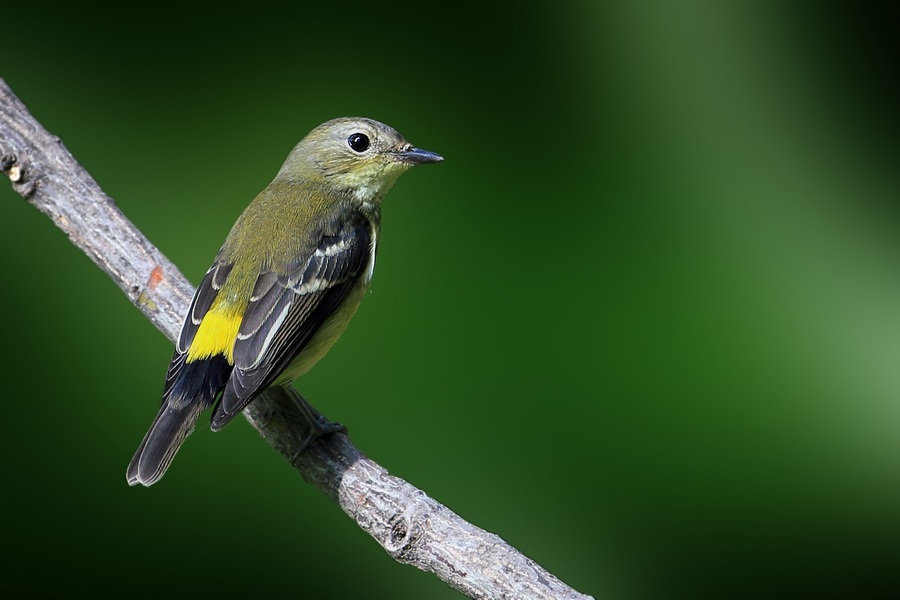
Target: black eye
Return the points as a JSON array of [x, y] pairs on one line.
[[359, 142]]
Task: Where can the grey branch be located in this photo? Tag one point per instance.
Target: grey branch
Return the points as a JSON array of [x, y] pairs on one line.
[[413, 528]]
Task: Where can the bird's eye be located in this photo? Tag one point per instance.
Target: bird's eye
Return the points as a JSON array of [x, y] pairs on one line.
[[358, 142]]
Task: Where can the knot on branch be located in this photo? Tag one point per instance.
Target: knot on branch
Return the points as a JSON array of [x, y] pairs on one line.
[[401, 537], [10, 166], [406, 529]]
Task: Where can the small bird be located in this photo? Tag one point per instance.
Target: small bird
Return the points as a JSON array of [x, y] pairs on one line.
[[284, 285]]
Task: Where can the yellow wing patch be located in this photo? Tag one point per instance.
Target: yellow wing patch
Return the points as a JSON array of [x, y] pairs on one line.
[[216, 334]]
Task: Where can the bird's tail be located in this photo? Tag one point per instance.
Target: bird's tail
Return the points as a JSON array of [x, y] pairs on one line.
[[190, 389], [162, 441]]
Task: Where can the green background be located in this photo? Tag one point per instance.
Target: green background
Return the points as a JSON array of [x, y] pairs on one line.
[[643, 322]]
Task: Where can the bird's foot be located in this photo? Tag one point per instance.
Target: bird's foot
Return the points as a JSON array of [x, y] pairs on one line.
[[319, 427]]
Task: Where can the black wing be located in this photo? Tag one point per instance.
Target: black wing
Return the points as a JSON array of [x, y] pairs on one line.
[[287, 309]]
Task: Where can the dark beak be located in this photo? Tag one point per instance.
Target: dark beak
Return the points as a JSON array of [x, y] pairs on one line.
[[417, 156]]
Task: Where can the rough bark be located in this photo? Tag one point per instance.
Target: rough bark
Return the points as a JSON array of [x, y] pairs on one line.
[[412, 527]]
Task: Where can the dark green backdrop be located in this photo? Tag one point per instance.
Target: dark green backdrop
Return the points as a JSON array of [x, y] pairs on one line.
[[643, 322]]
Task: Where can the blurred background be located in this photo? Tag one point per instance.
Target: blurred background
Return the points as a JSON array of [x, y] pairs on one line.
[[643, 322]]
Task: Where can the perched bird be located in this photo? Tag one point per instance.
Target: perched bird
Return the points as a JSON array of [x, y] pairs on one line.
[[283, 287]]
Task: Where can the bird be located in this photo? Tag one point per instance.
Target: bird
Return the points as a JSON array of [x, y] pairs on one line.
[[285, 283]]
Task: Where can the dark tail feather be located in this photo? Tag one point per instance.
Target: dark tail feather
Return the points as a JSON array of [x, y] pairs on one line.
[[162, 441], [190, 389]]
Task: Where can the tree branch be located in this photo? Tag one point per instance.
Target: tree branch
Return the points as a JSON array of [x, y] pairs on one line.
[[413, 528]]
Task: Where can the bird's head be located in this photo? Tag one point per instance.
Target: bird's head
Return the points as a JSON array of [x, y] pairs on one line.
[[358, 155]]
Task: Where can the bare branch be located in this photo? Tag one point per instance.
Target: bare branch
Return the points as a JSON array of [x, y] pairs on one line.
[[413, 528]]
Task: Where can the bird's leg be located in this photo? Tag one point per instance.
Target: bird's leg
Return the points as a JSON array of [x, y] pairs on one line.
[[319, 425]]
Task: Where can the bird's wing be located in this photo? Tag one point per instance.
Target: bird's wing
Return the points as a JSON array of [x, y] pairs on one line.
[[287, 309]]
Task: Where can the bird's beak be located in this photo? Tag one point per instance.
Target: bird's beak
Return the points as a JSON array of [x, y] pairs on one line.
[[417, 156]]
